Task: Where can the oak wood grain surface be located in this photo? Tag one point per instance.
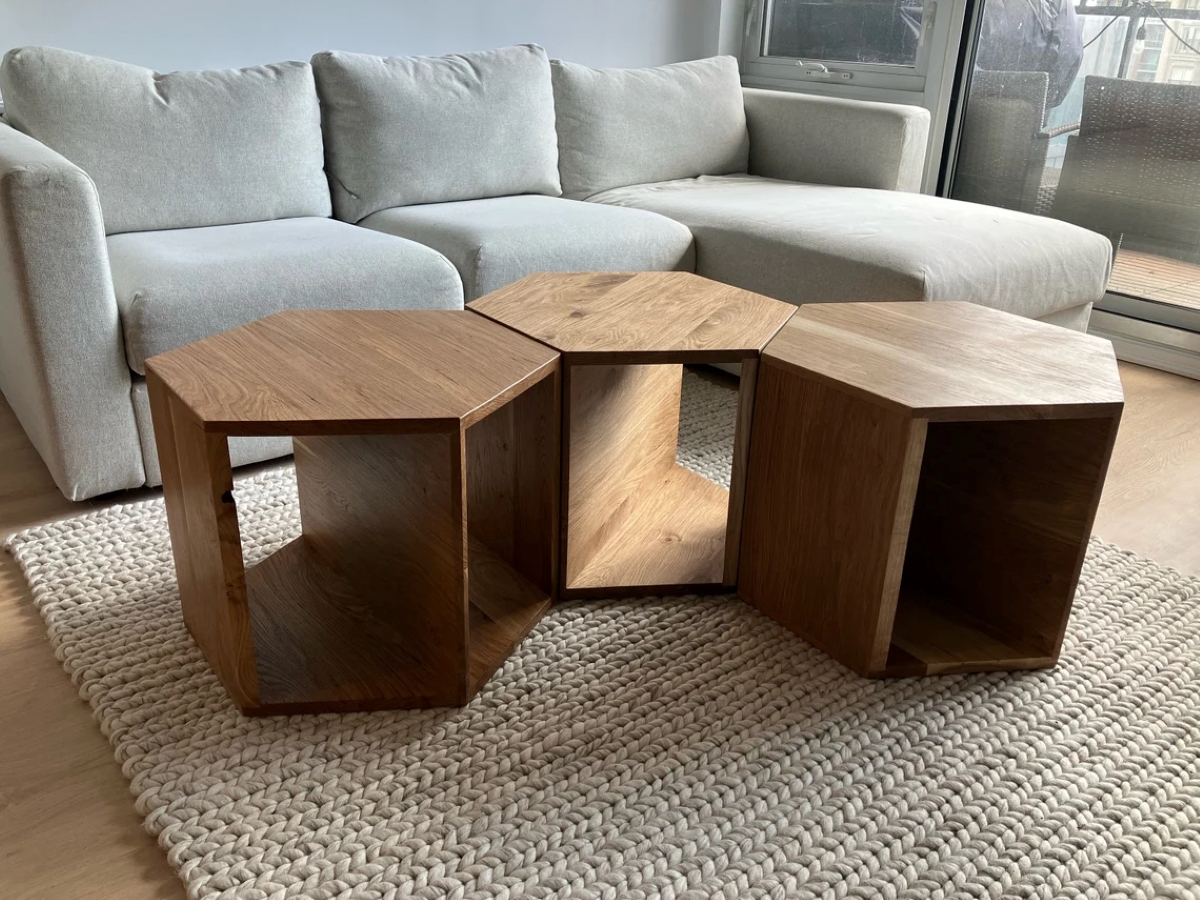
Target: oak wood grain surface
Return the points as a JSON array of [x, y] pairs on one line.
[[673, 540], [950, 360], [1151, 501], [68, 827], [205, 541], [637, 317], [504, 606], [622, 427], [627, 523], [392, 597], [352, 372], [513, 467], [933, 636], [513, 478], [829, 498], [386, 512], [371, 607], [324, 646], [735, 508], [935, 465], [1003, 514]]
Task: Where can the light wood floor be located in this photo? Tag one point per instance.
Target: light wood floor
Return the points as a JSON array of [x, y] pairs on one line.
[[68, 828]]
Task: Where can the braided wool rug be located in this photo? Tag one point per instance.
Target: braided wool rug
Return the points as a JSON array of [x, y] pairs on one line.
[[665, 748]]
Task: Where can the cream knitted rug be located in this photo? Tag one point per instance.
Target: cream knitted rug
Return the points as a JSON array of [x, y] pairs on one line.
[[667, 748]]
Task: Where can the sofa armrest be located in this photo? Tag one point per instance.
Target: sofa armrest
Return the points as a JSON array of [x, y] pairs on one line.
[[824, 140], [62, 358]]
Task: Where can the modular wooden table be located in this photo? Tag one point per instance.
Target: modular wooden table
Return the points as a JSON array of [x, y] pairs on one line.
[[923, 481], [634, 521], [426, 447]]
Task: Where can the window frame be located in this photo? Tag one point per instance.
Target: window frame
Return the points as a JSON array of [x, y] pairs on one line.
[[887, 76], [1189, 74]]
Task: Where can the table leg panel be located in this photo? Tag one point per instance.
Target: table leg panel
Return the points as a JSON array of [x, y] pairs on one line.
[[513, 482], [622, 429], [1003, 515], [747, 388], [206, 541], [829, 497], [386, 514]]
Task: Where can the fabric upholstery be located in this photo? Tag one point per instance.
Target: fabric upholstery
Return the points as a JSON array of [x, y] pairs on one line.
[[180, 150], [826, 140], [630, 126], [495, 242], [808, 243], [62, 368], [1076, 317], [175, 287], [401, 131], [243, 451]]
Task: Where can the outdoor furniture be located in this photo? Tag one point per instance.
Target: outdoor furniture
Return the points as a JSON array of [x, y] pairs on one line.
[[1132, 172], [1002, 154]]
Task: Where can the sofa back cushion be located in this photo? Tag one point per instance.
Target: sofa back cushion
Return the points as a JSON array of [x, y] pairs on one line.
[[180, 150], [406, 130], [618, 127]]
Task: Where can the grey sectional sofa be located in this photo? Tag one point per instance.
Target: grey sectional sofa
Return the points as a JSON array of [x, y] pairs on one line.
[[141, 211]]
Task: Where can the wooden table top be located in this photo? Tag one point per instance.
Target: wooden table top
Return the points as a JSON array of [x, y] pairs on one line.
[[641, 317], [352, 372], [951, 360]]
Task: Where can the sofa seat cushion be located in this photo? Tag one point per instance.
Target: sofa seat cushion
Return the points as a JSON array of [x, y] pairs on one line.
[[807, 243], [497, 241], [175, 287], [180, 150]]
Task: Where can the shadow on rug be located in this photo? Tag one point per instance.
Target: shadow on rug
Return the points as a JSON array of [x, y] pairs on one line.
[[668, 748]]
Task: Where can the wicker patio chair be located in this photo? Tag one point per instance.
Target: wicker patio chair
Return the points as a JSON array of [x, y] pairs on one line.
[[1133, 170], [1002, 151]]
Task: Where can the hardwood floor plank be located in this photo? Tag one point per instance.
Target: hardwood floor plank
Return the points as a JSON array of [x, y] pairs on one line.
[[68, 827], [1151, 501]]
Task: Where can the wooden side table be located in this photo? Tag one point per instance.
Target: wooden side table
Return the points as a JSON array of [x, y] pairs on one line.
[[923, 481], [427, 459], [634, 521]]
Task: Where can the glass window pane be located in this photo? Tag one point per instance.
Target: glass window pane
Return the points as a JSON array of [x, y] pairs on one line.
[[1091, 114], [858, 31]]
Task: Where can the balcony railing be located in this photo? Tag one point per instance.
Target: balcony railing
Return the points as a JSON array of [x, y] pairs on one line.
[[1138, 15]]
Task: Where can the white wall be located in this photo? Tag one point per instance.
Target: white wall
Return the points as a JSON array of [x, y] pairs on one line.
[[195, 34]]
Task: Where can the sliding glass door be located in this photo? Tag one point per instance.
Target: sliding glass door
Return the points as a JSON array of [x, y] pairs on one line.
[[1091, 114]]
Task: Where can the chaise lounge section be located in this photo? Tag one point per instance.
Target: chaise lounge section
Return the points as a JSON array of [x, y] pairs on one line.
[[142, 211], [825, 209]]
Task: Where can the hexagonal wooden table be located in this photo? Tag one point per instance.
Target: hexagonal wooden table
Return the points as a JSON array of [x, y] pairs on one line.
[[923, 481], [426, 451], [634, 521]]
